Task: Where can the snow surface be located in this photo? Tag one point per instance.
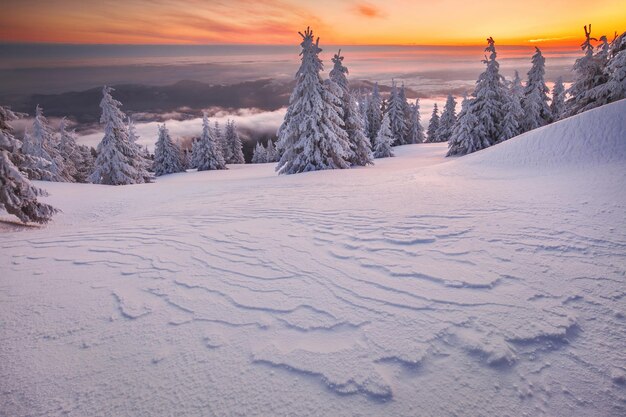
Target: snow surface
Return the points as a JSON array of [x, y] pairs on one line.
[[492, 284]]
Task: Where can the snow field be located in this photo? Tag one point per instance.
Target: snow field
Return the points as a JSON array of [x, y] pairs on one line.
[[491, 284]]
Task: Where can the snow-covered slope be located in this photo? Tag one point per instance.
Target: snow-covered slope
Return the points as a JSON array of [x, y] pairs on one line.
[[591, 138], [417, 287]]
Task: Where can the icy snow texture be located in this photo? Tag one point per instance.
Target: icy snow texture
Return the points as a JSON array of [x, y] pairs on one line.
[[486, 285]]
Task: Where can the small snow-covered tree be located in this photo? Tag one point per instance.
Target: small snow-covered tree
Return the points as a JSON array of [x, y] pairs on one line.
[[18, 196], [259, 156], [167, 155], [360, 148], [220, 139], [535, 100], [557, 105], [270, 152], [68, 149], [374, 114], [447, 120], [46, 162], [84, 164], [407, 113], [118, 161], [433, 126], [384, 139], [143, 162], [415, 129], [234, 144], [206, 152], [395, 110], [468, 135], [315, 138]]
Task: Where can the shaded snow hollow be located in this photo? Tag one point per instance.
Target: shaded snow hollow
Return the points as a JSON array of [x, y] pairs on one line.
[[491, 284]]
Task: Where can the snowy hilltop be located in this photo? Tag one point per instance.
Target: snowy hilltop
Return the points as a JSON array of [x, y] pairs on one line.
[[486, 285]]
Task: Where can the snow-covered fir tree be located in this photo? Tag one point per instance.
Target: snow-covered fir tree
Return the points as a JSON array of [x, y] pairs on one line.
[[535, 99], [46, 163], [407, 113], [490, 98], [614, 88], [234, 144], [220, 139], [167, 154], [68, 148], [85, 164], [384, 139], [144, 162], [510, 126], [468, 135], [259, 155], [557, 105], [270, 152], [395, 110], [314, 138], [374, 114], [360, 148], [433, 125], [18, 196], [415, 129], [587, 73], [206, 153], [118, 161], [447, 120]]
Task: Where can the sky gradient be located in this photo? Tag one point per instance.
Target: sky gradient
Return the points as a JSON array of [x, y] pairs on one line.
[[400, 22]]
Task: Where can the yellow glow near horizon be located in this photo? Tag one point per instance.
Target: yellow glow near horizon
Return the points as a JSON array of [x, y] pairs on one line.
[[399, 22]]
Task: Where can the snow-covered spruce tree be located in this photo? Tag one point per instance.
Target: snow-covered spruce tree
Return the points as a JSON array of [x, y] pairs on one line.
[[557, 105], [206, 152], [510, 122], [259, 156], [535, 100], [167, 155], [270, 152], [118, 161], [315, 138], [374, 114], [407, 113], [144, 163], [468, 135], [395, 110], [220, 139], [363, 102], [235, 146], [68, 148], [447, 120], [84, 164], [586, 71], [415, 129], [490, 98], [18, 196], [384, 139], [46, 162], [433, 126], [360, 148], [615, 71]]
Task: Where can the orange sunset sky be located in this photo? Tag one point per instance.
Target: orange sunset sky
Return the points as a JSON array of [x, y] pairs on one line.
[[336, 21]]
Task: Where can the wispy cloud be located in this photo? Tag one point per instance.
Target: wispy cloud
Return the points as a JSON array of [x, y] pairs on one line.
[[369, 10], [540, 40]]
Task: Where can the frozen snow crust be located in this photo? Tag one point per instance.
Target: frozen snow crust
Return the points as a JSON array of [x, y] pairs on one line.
[[422, 286]]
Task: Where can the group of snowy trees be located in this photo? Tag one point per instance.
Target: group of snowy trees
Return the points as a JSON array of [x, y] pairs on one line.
[[263, 154], [323, 126], [499, 110]]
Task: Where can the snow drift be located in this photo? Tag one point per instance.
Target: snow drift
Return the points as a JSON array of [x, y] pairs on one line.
[[591, 138]]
